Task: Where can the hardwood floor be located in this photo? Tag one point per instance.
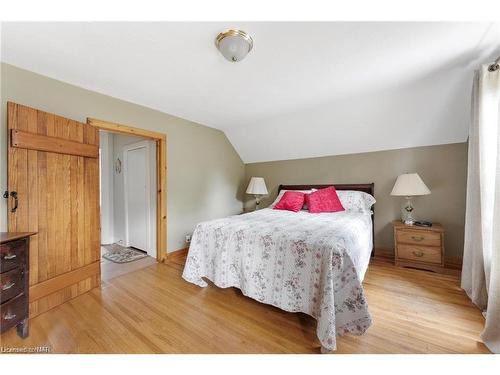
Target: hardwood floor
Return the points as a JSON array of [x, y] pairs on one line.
[[153, 310]]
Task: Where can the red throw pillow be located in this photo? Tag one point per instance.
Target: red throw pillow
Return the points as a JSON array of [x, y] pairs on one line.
[[291, 201], [324, 200]]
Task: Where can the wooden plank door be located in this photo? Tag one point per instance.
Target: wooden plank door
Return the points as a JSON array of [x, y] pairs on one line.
[[53, 165]]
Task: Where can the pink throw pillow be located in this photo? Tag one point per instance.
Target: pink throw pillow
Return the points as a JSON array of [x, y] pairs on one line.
[[324, 200], [291, 201]]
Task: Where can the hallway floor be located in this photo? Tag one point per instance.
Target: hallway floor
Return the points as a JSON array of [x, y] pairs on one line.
[[110, 270]]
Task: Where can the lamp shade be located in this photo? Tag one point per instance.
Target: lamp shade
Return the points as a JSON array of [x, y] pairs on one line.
[[409, 184], [257, 186]]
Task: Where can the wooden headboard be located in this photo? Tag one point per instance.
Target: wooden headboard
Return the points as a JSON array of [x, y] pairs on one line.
[[367, 188]]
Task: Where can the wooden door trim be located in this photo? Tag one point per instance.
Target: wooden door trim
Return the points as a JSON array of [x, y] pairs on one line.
[[161, 175], [124, 129]]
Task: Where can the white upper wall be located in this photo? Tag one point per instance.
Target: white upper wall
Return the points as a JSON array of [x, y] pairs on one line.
[[306, 89]]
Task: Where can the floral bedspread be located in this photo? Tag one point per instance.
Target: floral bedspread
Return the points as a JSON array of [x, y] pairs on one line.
[[299, 262]]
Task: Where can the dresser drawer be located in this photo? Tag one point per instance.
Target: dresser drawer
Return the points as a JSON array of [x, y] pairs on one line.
[[11, 284], [420, 253], [419, 238], [12, 255], [12, 312]]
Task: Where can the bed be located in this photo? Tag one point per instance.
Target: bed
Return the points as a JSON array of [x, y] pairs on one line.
[[298, 262]]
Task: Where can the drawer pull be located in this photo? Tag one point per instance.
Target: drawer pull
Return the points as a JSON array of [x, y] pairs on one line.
[[9, 316], [8, 286], [419, 238], [10, 256], [418, 254]]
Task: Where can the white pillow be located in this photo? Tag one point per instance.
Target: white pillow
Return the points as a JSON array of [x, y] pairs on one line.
[[356, 201], [280, 195]]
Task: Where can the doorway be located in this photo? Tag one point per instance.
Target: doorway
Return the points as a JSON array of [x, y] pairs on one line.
[[128, 203], [133, 218]]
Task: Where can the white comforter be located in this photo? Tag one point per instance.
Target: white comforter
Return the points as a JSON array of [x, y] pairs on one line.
[[299, 262]]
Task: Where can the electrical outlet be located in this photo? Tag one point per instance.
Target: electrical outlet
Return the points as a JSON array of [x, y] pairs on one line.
[[188, 238]]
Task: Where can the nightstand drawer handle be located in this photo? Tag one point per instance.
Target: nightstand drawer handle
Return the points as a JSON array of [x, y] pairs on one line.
[[9, 257], [420, 238], [418, 254], [8, 285], [9, 316]]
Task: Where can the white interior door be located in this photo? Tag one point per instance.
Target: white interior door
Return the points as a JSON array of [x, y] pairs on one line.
[[137, 197]]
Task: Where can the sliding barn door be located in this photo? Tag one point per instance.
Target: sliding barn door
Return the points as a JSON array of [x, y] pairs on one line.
[[53, 166]]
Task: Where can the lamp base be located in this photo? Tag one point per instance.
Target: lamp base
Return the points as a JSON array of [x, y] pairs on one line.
[[407, 216], [257, 202]]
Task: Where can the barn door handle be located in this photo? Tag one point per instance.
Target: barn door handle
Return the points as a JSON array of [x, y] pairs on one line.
[[13, 194]]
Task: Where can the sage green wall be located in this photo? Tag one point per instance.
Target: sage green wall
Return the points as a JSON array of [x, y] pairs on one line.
[[443, 169], [205, 174]]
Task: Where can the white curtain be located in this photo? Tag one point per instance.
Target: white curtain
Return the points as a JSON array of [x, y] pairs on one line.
[[481, 263]]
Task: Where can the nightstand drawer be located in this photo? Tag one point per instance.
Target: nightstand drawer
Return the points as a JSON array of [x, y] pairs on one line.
[[419, 238], [420, 253]]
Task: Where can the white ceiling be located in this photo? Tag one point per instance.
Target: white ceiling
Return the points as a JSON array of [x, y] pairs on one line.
[[306, 89]]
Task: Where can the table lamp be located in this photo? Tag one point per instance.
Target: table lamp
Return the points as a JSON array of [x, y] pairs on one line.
[[257, 187], [409, 185]]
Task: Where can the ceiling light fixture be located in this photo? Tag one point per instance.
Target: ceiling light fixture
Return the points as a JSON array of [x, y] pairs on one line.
[[234, 44]]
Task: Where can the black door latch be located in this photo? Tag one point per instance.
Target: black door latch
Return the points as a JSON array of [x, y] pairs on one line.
[[13, 194]]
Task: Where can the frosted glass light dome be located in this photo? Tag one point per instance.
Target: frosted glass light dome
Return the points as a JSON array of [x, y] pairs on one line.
[[234, 45]]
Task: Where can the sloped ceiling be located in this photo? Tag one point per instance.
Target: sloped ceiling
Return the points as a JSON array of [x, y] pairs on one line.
[[306, 89]]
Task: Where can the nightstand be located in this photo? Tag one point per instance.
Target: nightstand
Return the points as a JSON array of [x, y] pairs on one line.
[[419, 247]]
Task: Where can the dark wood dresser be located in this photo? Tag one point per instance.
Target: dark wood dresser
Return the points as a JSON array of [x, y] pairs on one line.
[[14, 282]]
